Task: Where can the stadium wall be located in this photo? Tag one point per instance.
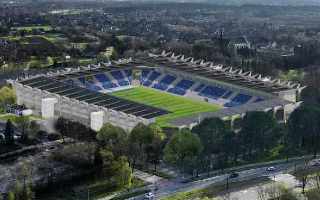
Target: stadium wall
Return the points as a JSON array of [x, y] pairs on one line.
[[74, 110]]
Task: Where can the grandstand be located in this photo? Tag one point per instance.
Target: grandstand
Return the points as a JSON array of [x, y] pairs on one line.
[[163, 88]]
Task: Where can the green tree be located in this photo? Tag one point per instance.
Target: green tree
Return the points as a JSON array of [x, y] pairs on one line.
[[11, 196], [122, 172], [23, 124], [33, 130], [117, 168], [62, 126], [114, 138], [258, 132], [34, 64], [23, 189], [107, 159], [304, 130], [140, 136], [212, 134], [9, 133], [75, 130], [7, 96], [154, 149], [114, 55], [184, 146]]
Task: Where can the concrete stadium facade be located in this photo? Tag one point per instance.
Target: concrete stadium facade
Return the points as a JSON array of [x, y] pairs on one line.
[[280, 99]]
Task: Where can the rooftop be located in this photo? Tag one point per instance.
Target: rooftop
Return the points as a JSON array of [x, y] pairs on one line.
[[82, 94]]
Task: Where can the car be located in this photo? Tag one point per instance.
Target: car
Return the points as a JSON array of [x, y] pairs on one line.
[[315, 163], [234, 175], [149, 195], [271, 169]]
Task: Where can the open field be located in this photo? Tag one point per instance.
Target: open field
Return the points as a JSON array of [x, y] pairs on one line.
[[179, 106], [30, 28]]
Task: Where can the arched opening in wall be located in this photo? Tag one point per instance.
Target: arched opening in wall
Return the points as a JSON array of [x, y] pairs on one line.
[[280, 114], [237, 122]]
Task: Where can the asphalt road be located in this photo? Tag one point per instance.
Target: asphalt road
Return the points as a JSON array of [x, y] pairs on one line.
[[167, 188]]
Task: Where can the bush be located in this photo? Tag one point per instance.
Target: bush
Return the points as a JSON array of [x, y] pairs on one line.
[[78, 155]]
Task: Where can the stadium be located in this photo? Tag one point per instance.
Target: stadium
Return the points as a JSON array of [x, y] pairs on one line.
[[164, 88]]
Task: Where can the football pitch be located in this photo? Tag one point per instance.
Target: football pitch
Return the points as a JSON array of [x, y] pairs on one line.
[[178, 106]]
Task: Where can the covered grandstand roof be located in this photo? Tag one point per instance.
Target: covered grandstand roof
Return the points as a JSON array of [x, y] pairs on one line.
[[238, 110], [88, 72], [218, 72], [82, 94]]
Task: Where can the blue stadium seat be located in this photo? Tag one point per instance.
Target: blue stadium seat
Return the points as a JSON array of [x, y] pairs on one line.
[[185, 84], [147, 83], [165, 82], [212, 92], [199, 88], [238, 100], [109, 85], [117, 75], [93, 87], [182, 87], [102, 78], [227, 95], [105, 81], [128, 73], [154, 75], [177, 91], [148, 80], [120, 78], [145, 73], [258, 100]]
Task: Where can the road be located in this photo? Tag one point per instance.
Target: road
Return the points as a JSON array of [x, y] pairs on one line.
[[167, 187]]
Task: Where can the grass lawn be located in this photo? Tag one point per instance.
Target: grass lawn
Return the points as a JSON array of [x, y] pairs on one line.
[[13, 118], [55, 37], [30, 28], [179, 106]]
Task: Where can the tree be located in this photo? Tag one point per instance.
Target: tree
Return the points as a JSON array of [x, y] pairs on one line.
[[258, 132], [23, 124], [11, 196], [304, 128], [122, 172], [117, 168], [183, 146], [154, 149], [7, 96], [77, 154], [33, 130], [34, 64], [107, 158], [140, 136], [212, 133], [61, 126], [23, 189], [9, 133], [114, 138], [75, 130]]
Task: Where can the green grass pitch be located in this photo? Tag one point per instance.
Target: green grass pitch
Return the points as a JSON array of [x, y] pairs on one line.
[[179, 106]]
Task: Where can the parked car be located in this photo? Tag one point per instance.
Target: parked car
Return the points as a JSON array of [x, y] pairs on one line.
[[149, 195], [315, 163], [271, 169]]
